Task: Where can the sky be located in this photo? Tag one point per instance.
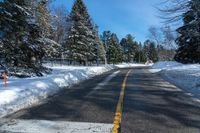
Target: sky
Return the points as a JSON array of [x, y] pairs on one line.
[[121, 16]]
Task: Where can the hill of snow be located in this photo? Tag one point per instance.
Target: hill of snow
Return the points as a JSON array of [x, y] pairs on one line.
[[185, 76], [22, 93]]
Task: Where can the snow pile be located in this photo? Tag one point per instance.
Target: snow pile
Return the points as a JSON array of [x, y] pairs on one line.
[[44, 126], [184, 76], [125, 65], [21, 93], [164, 65]]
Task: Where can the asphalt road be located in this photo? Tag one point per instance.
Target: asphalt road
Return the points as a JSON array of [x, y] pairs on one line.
[[150, 104]]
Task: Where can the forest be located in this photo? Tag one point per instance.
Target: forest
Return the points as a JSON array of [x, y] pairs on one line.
[[31, 34]]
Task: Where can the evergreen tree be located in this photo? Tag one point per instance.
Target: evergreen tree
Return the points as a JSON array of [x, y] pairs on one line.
[[80, 45], [146, 50], [189, 38], [150, 51], [132, 47], [140, 55], [105, 38], [153, 52], [129, 47], [124, 46], [115, 54], [100, 50], [21, 37], [44, 18]]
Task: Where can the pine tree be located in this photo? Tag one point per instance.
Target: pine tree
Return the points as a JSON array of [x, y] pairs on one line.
[[153, 52], [44, 19], [140, 54], [93, 42], [115, 54], [80, 45], [129, 48], [124, 46], [146, 50], [119, 54], [105, 38], [100, 52], [21, 37], [150, 51], [189, 38]]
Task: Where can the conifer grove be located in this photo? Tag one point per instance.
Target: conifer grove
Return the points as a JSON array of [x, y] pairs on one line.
[[31, 34]]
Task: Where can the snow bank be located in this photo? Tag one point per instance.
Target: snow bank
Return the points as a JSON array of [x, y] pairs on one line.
[[125, 65], [44, 126], [159, 66], [21, 93], [186, 77], [165, 64]]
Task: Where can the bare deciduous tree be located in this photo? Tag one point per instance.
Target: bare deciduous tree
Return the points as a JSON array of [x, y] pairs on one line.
[[171, 10], [60, 23], [165, 41], [168, 37], [155, 35]]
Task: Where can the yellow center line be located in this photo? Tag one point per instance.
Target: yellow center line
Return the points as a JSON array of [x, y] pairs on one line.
[[118, 114]]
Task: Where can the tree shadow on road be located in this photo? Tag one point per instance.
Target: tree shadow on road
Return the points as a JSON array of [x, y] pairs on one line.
[[160, 102], [79, 103]]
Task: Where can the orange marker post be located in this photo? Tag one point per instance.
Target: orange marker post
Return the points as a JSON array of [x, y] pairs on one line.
[[4, 75]]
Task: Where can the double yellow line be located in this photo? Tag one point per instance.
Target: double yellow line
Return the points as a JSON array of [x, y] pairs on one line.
[[118, 114]]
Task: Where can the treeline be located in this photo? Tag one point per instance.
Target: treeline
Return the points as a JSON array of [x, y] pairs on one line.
[[30, 34], [26, 36], [188, 39], [128, 50]]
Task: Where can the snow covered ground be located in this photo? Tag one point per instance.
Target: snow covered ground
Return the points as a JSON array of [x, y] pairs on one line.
[[125, 65], [186, 77], [44, 126], [21, 93]]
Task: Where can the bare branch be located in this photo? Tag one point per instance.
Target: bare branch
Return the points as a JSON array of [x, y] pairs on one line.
[[171, 11]]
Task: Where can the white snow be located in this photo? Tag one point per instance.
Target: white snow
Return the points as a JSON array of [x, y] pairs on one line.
[[186, 77], [164, 65], [125, 65], [44, 126], [22, 93]]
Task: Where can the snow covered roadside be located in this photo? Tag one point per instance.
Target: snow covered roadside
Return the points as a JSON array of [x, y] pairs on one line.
[[125, 65], [44, 126], [186, 77], [21, 93]]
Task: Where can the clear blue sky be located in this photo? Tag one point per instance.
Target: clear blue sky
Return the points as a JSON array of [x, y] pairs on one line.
[[121, 16]]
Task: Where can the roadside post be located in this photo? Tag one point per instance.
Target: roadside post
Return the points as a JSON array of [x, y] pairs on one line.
[[4, 76]]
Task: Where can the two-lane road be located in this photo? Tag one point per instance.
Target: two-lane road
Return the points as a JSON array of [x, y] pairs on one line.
[[149, 104]]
